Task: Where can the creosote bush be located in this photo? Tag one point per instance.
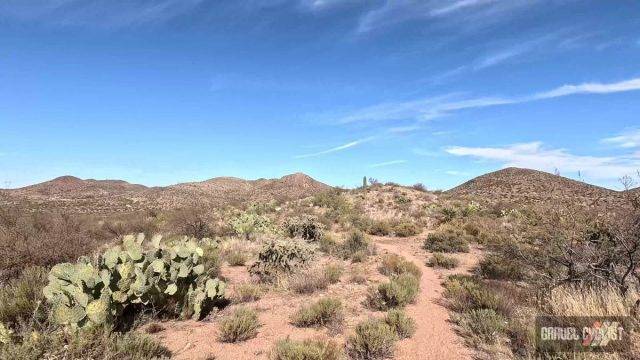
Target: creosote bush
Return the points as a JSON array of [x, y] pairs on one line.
[[374, 339], [325, 312], [497, 267], [309, 349], [405, 229], [394, 265], [401, 324], [398, 292], [242, 325], [440, 260], [448, 240], [485, 324], [356, 246]]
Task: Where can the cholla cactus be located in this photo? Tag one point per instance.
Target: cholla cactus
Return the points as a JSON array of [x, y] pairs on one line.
[[305, 226], [248, 223], [88, 294], [280, 257]]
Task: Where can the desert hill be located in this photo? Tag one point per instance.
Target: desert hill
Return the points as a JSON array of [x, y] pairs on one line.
[[533, 186], [74, 194]]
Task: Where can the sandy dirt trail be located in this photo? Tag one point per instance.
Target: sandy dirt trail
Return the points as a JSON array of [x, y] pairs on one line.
[[435, 337]]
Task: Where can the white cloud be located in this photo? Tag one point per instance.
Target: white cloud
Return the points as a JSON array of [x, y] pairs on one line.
[[388, 163], [629, 139], [534, 155], [459, 5], [335, 149], [431, 108]]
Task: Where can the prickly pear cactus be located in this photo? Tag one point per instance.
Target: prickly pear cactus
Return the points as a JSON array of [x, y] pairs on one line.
[[163, 275]]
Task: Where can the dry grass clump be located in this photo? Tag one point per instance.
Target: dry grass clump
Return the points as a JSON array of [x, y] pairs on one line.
[[394, 265], [242, 325], [325, 312], [94, 343], [485, 325], [374, 339], [358, 275], [498, 267], [247, 292], [570, 300], [380, 228], [466, 293], [401, 324], [405, 228], [309, 349], [333, 272], [308, 282], [21, 299], [447, 240], [399, 292], [440, 260]]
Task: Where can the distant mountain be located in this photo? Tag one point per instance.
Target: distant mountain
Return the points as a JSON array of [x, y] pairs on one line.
[[531, 186], [74, 194]]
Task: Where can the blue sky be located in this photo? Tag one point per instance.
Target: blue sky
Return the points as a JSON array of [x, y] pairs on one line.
[[432, 91]]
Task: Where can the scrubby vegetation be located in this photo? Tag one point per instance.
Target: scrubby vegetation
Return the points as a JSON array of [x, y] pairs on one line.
[[242, 325], [395, 265], [373, 340], [440, 260], [400, 323], [309, 349], [325, 312], [278, 257], [398, 292], [447, 240]]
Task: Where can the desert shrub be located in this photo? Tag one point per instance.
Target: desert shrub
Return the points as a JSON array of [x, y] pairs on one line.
[[325, 312], [308, 349], [405, 229], [247, 224], [191, 222], [379, 227], [358, 275], [242, 325], [94, 343], [373, 340], [168, 277], [20, 298], [211, 259], [419, 187], [236, 257], [400, 323], [467, 293], [356, 246], [394, 265], [332, 272], [471, 229], [327, 244], [401, 199], [306, 227], [154, 328], [485, 324], [398, 292], [279, 257], [332, 199], [447, 241], [309, 282], [448, 213], [44, 239], [497, 267], [247, 292], [440, 260]]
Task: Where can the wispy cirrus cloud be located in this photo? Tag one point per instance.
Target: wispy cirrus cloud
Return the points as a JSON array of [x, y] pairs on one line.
[[336, 149], [435, 107], [628, 139], [388, 163], [534, 155], [96, 13]]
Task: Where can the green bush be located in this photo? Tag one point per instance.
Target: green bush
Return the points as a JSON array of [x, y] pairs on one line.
[[373, 340], [399, 292], [380, 228], [168, 277], [447, 241], [242, 325], [440, 260], [247, 224], [467, 293], [325, 312], [308, 349], [405, 229], [496, 267], [400, 323], [394, 265], [327, 244], [247, 292], [356, 247], [485, 324], [90, 343], [306, 227], [21, 298], [280, 257]]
